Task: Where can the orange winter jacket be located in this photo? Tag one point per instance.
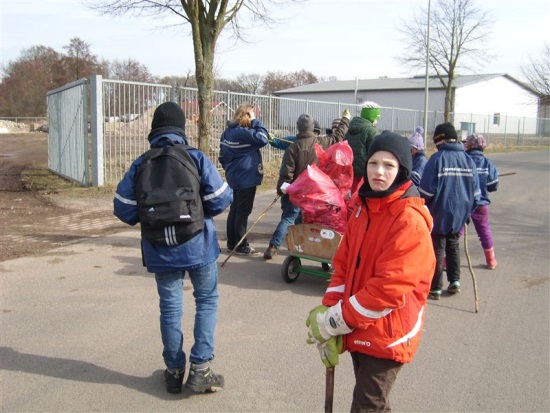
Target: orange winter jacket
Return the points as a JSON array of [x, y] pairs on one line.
[[382, 272]]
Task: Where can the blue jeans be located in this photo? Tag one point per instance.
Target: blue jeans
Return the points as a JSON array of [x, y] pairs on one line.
[[291, 215], [205, 291]]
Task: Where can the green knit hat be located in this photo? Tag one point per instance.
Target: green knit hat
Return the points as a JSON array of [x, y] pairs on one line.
[[370, 111]]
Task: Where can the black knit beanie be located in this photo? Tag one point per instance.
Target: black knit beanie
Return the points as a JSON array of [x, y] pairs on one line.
[[168, 114], [445, 131], [398, 146]]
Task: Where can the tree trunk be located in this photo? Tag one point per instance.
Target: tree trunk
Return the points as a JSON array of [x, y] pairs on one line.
[[448, 101], [204, 74], [205, 85]]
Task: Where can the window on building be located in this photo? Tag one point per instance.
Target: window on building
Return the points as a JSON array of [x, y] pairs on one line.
[[496, 119]]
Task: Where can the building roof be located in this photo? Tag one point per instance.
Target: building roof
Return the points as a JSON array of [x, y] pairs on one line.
[[407, 83]]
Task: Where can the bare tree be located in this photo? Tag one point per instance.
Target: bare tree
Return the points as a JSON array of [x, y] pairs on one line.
[[251, 83], [27, 80], [130, 69], [186, 81], [225, 84], [208, 19], [537, 72], [458, 37], [278, 80], [79, 60]]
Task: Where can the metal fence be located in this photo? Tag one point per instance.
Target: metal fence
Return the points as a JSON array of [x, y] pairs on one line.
[[121, 114], [68, 131]]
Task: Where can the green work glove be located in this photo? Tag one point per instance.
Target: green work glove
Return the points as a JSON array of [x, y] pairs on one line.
[[330, 350], [346, 114], [271, 137], [325, 322], [316, 317]]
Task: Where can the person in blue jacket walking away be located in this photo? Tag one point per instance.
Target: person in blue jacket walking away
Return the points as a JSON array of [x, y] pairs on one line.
[[416, 140], [241, 159], [197, 257], [450, 186], [488, 182]]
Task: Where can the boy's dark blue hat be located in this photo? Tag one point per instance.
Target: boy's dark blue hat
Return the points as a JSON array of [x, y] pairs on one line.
[[168, 114], [445, 131]]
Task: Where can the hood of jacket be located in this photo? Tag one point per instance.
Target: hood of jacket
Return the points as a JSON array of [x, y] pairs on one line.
[[166, 138], [451, 146]]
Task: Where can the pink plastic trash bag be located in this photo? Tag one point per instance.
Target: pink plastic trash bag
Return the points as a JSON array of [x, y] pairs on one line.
[[319, 199], [337, 163]]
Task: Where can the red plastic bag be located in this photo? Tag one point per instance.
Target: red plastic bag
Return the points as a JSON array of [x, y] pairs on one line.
[[337, 163], [319, 199]]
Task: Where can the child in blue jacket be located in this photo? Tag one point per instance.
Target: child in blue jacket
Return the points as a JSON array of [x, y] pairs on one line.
[[170, 263], [488, 182], [450, 186]]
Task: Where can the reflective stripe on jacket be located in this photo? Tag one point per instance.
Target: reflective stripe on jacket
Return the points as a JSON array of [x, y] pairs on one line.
[[487, 173], [450, 186], [382, 272], [199, 250], [240, 154]]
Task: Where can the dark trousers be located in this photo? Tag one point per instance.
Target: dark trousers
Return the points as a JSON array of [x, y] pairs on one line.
[[374, 378], [446, 246], [237, 220]]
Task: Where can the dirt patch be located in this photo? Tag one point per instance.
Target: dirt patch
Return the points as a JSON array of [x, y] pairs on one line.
[[40, 211]]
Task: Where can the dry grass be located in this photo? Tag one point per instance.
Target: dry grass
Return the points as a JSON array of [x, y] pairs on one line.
[[271, 175], [39, 178]]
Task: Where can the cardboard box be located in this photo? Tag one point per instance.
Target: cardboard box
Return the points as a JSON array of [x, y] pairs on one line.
[[313, 240]]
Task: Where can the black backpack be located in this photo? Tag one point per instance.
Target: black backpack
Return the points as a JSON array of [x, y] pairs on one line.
[[168, 195]]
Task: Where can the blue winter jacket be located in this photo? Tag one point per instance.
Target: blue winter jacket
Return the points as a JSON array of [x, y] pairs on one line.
[[450, 186], [240, 154], [283, 145], [216, 196], [488, 175], [419, 162]]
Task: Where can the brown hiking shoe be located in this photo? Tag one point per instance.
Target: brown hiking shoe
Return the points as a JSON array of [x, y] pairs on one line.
[[270, 252]]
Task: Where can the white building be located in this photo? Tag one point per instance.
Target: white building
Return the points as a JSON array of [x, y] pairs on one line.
[[492, 103]]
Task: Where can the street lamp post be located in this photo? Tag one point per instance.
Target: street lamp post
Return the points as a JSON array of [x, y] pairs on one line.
[[426, 87]]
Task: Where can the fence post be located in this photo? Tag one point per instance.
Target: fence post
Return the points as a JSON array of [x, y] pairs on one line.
[[505, 126], [523, 133], [96, 126], [173, 93]]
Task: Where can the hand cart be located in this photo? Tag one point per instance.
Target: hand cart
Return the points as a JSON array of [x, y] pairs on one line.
[[309, 242]]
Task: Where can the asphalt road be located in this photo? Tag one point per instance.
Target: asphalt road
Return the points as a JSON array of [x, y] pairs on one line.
[[79, 326]]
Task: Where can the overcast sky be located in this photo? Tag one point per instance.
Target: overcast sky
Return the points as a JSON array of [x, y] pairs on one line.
[[346, 39]]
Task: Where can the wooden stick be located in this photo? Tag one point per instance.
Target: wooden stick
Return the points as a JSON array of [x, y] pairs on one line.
[[284, 140], [506, 174], [470, 265], [249, 229], [329, 389]]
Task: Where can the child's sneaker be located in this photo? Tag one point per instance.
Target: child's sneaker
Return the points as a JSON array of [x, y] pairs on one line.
[[204, 380], [434, 294], [247, 251], [173, 380], [454, 287]]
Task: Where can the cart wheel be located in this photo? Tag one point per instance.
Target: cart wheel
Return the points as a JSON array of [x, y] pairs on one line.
[[326, 266], [290, 270]]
